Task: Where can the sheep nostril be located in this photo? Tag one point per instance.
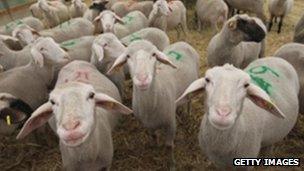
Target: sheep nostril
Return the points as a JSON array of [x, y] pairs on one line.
[[223, 111], [71, 125]]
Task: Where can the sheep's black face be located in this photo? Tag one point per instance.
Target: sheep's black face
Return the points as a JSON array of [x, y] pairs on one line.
[[253, 32], [98, 6], [17, 112]]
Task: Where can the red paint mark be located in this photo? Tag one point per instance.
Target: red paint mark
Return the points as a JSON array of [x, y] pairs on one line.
[[81, 76]]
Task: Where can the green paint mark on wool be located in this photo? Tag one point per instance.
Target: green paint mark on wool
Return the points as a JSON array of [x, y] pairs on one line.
[[255, 73], [12, 25], [177, 56], [127, 19], [134, 37], [69, 43]]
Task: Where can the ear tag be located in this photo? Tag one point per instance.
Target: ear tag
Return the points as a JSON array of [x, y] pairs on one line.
[[8, 120]]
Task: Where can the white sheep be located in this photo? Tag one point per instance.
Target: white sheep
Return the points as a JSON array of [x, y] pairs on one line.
[[105, 49], [25, 88], [82, 110], [294, 54], [213, 12], [155, 87], [132, 22], [156, 36], [256, 6], [10, 58], [238, 42], [71, 29], [158, 15], [122, 8], [54, 12], [30, 21], [77, 8], [244, 109], [279, 9], [299, 31], [168, 16]]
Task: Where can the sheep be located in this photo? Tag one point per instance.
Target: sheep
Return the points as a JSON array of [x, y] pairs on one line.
[[238, 42], [299, 31], [212, 12], [10, 58], [158, 16], [82, 110], [279, 9], [132, 22], [25, 88], [11, 42], [30, 21], [156, 36], [239, 104], [54, 12], [256, 6], [70, 29], [77, 8], [294, 54], [122, 8], [105, 49], [168, 16], [155, 87]]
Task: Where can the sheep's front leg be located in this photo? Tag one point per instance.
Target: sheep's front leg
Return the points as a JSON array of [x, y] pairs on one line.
[[154, 136], [280, 24], [270, 23], [170, 135]]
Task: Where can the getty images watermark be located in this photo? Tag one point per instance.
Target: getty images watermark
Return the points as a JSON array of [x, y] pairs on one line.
[[266, 162]]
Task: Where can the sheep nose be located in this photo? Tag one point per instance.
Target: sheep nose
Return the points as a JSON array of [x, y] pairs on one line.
[[71, 125], [142, 77], [223, 111]]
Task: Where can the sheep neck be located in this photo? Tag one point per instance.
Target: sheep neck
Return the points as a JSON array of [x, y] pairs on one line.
[[224, 45], [223, 141]]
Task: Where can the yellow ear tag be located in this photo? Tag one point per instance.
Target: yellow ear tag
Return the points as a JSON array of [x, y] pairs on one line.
[[8, 120]]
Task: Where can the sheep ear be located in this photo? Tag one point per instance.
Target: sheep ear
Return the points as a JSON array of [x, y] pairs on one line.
[[8, 38], [193, 88], [109, 103], [261, 99], [232, 25], [97, 18], [37, 56], [97, 53], [161, 57], [38, 118], [120, 61], [119, 19]]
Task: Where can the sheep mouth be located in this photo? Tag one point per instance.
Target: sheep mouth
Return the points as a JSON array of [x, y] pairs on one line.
[[75, 139], [221, 123]]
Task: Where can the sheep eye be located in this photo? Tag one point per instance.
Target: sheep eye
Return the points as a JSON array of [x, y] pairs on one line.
[[91, 95], [105, 45], [52, 102], [154, 54], [128, 56], [207, 80], [246, 85]]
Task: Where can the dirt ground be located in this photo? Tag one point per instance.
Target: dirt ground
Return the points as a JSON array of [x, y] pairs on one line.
[[133, 146]]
